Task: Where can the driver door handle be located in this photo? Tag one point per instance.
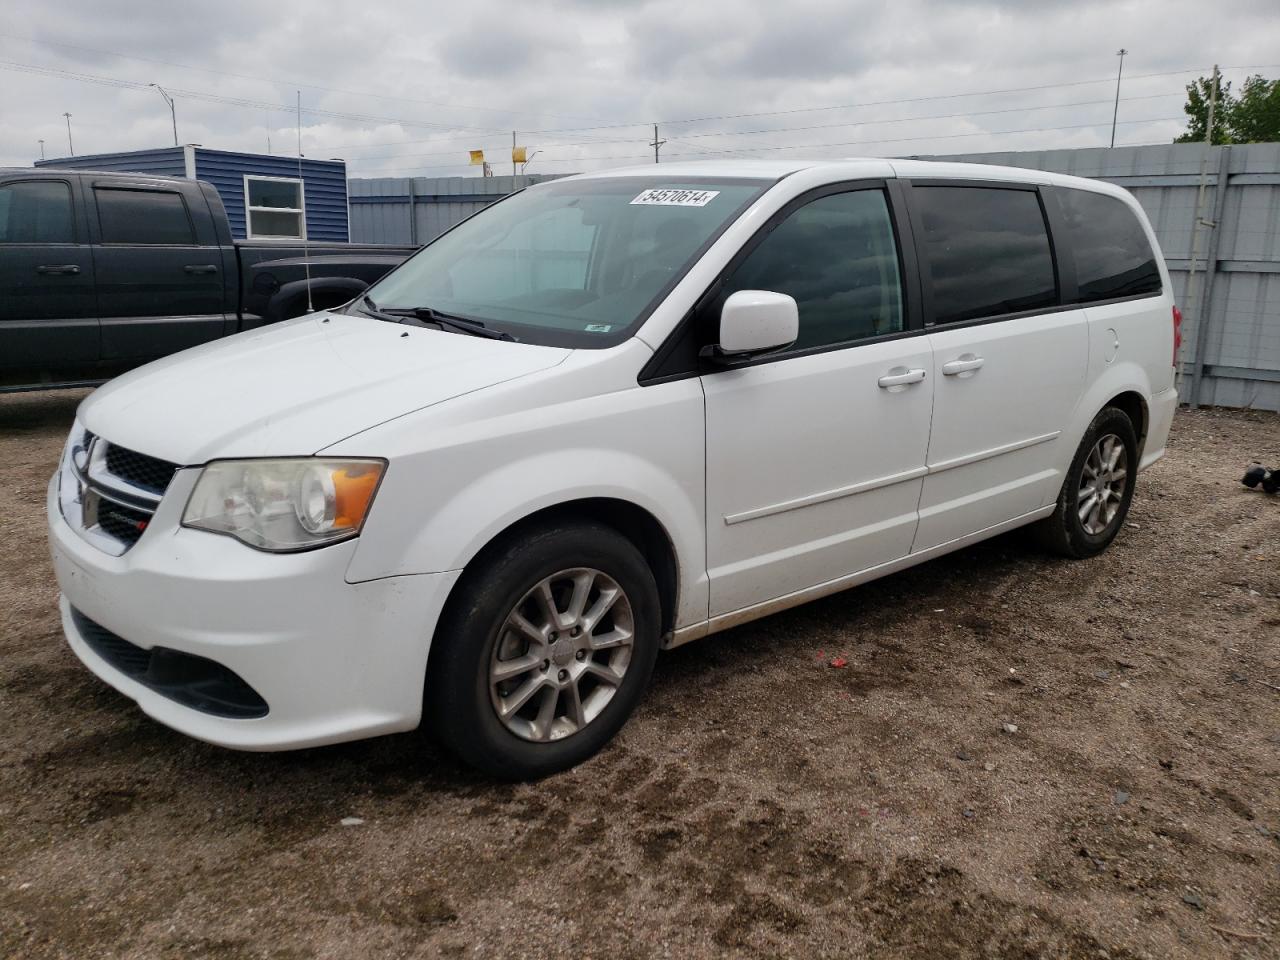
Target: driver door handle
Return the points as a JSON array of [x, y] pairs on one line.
[[965, 365], [901, 379], [70, 269]]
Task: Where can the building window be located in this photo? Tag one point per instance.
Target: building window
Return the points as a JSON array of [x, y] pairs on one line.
[[274, 207]]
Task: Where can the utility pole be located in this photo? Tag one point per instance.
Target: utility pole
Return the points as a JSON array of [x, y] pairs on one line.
[[513, 153], [656, 143], [173, 115], [1116, 112], [41, 149], [70, 145], [1191, 289]]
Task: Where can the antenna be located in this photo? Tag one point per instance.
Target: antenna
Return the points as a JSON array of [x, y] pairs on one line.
[[306, 264]]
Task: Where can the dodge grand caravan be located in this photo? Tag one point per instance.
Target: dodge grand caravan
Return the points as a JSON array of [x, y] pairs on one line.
[[608, 414]]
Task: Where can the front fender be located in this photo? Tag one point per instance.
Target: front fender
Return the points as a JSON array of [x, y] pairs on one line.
[[437, 508]]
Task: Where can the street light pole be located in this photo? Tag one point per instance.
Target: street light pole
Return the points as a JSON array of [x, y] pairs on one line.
[[173, 114], [70, 145], [1116, 112], [41, 149]]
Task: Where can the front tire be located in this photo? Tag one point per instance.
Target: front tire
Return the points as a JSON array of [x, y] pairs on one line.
[[1096, 491], [544, 651]]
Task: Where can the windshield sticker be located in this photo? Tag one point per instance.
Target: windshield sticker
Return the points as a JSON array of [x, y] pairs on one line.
[[668, 197], [598, 327]]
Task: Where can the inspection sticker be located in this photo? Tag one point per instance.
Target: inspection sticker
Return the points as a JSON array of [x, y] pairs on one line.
[[598, 327], [671, 197]]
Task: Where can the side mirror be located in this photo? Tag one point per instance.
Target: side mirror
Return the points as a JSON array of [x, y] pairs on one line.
[[755, 321]]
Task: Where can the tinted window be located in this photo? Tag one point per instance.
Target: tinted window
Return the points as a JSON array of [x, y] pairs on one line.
[[987, 251], [1113, 257], [143, 216], [36, 211], [836, 256]]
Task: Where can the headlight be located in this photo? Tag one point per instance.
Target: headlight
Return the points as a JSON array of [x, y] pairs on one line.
[[284, 505]]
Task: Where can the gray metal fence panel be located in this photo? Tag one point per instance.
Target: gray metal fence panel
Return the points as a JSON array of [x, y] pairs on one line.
[[406, 210], [1240, 363]]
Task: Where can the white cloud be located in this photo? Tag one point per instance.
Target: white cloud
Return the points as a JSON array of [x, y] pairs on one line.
[[410, 88]]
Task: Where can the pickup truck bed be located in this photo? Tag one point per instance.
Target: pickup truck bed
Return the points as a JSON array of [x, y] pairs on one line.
[[101, 272]]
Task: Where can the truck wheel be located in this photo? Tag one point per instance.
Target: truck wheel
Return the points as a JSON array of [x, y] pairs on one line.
[[544, 651], [1097, 490]]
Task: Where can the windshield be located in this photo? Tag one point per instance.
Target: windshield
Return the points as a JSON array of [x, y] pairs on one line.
[[570, 263]]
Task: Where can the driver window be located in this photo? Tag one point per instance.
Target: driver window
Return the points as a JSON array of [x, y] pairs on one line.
[[837, 257]]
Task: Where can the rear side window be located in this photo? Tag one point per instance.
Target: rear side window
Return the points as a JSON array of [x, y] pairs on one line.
[[1113, 257], [987, 251], [143, 216], [837, 257], [36, 211]]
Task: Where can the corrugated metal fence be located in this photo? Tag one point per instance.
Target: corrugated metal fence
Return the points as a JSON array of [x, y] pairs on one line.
[[1231, 351], [1232, 358], [417, 209]]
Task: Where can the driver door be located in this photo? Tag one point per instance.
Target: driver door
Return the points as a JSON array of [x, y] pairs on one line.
[[816, 453]]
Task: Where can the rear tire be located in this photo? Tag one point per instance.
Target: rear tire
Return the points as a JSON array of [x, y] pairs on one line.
[[1096, 491], [544, 651]]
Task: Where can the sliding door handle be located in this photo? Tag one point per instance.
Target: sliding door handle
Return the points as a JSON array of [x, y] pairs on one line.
[[962, 365], [900, 377]]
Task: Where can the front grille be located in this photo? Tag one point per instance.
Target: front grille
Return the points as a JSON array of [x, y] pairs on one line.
[[196, 682], [110, 493], [149, 473]]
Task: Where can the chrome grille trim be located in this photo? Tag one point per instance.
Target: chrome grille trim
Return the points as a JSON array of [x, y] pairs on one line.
[[85, 483]]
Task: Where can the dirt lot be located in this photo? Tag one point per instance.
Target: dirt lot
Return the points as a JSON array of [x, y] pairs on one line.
[[762, 803]]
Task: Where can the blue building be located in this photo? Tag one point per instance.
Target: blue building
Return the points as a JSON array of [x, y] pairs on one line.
[[264, 194]]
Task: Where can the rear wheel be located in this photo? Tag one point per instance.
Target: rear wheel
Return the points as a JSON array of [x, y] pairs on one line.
[[1097, 490], [545, 651]]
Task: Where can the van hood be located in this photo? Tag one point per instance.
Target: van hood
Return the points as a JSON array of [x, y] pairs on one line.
[[293, 388]]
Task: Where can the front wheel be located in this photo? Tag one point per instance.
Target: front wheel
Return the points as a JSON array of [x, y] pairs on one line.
[[1097, 490], [545, 651]]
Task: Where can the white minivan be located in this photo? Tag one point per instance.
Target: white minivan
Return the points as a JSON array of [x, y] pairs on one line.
[[608, 414]]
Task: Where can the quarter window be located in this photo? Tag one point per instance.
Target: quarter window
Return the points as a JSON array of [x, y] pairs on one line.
[[36, 211], [986, 250], [837, 257], [274, 207], [1112, 254], [154, 217]]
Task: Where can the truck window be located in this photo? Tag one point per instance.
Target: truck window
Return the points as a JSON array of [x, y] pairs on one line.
[[155, 217], [987, 250], [36, 211], [1113, 256], [837, 257]]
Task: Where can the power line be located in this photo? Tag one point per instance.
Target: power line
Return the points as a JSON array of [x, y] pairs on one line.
[[881, 103], [815, 146], [683, 139]]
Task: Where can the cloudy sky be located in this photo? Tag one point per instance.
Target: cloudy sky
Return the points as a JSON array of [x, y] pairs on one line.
[[407, 88]]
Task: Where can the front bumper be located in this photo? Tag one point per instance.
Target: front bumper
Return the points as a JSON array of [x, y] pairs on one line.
[[333, 660]]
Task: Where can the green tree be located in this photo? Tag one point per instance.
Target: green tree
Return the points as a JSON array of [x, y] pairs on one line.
[[1252, 117], [1197, 111], [1255, 115]]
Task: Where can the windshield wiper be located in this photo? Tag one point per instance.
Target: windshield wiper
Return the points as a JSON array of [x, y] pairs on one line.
[[456, 323], [427, 316]]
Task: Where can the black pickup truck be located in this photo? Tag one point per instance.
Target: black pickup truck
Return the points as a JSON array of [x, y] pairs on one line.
[[100, 272]]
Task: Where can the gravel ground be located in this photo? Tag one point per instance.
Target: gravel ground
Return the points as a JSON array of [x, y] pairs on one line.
[[761, 803]]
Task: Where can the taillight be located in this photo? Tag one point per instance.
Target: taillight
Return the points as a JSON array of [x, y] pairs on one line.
[[1177, 333]]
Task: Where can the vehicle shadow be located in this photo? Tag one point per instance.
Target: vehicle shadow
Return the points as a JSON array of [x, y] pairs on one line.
[[39, 411]]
